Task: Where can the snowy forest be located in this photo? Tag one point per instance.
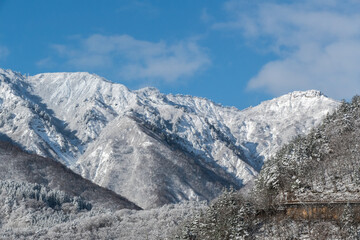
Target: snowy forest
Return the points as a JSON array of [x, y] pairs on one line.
[[308, 190]]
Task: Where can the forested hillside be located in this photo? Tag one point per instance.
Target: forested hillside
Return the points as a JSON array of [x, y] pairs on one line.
[[42, 199], [322, 166], [19, 166], [308, 190]]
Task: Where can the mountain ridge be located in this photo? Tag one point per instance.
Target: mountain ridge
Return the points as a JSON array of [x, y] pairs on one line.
[[75, 116]]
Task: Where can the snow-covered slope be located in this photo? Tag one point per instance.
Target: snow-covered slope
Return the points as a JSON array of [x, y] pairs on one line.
[[150, 147], [134, 161], [30, 123], [84, 101]]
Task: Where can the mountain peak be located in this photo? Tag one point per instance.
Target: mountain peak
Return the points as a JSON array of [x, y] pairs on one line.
[[10, 73], [308, 94], [296, 98], [148, 91], [75, 76]]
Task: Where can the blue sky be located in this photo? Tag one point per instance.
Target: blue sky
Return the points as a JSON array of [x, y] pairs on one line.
[[236, 52]]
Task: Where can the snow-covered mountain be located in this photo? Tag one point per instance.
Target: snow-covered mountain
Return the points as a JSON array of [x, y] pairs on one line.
[[150, 147]]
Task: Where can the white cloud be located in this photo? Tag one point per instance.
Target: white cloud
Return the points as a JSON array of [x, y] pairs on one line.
[[133, 59], [317, 43]]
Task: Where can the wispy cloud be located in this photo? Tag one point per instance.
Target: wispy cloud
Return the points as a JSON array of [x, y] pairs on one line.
[[132, 59], [45, 62], [4, 52], [205, 16], [317, 44]]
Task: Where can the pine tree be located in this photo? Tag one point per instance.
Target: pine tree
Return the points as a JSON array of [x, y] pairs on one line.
[[347, 222]]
